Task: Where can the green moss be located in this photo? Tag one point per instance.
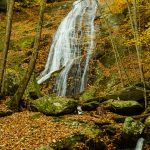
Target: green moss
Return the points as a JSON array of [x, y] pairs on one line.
[[132, 127], [1, 45], [89, 137], [26, 42], [55, 105], [90, 130], [11, 82], [88, 94], [33, 89], [36, 116]]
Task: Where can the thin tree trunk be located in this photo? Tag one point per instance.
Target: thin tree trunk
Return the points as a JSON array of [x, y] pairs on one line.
[[134, 27], [15, 101], [7, 40]]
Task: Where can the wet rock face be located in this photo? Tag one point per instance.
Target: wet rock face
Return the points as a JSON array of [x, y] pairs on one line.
[[55, 105]]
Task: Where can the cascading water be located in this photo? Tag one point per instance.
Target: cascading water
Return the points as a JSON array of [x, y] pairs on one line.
[[139, 145], [72, 43]]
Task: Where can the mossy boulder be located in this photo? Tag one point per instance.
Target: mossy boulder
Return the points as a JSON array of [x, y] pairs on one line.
[[92, 104], [11, 82], [55, 105], [134, 92], [129, 107], [132, 130]]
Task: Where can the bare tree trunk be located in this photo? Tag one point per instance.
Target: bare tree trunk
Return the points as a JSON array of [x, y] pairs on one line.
[[15, 101], [134, 27], [7, 41]]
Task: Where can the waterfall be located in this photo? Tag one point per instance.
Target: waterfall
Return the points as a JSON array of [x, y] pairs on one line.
[[72, 45], [139, 144]]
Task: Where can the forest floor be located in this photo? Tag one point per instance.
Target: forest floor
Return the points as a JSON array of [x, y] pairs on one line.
[[28, 130]]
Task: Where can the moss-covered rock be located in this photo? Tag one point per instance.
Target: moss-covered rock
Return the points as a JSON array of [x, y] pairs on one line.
[[134, 92], [11, 82], [88, 94], [131, 131], [132, 127], [92, 104], [55, 105], [129, 107]]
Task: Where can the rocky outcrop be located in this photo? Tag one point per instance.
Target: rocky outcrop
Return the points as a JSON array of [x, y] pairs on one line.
[[55, 105]]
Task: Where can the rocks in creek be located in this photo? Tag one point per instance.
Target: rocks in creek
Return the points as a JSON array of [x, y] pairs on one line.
[[55, 105], [134, 92], [129, 107]]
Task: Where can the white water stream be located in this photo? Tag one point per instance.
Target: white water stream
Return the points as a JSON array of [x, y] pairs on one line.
[[139, 145], [73, 41]]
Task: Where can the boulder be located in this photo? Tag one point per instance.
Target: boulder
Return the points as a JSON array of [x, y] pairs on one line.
[[132, 127], [55, 105], [132, 130], [129, 107], [134, 92], [11, 82], [92, 104]]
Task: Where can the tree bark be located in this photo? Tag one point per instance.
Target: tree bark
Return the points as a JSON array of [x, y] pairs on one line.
[[15, 101], [7, 41], [134, 27]]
